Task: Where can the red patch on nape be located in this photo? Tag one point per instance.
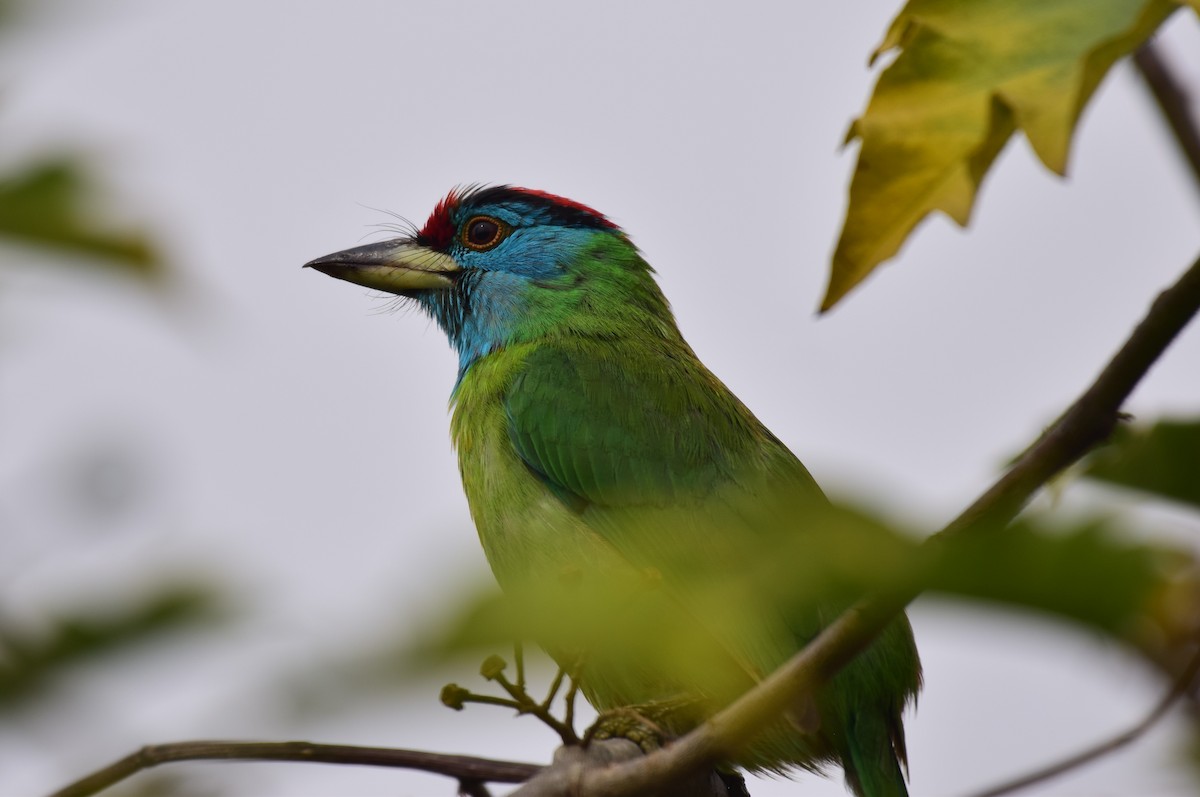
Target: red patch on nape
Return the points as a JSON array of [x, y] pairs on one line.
[[439, 229], [566, 203]]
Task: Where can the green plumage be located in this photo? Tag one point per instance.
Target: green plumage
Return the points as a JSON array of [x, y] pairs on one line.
[[616, 451], [612, 478]]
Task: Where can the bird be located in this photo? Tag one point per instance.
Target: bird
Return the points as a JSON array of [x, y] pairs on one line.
[[612, 476]]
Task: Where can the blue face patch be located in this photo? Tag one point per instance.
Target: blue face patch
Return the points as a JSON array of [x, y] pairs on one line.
[[484, 310]]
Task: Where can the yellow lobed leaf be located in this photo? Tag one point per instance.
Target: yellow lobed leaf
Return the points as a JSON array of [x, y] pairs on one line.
[[968, 73]]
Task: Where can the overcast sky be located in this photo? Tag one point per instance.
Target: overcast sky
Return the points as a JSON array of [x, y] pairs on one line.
[[293, 438]]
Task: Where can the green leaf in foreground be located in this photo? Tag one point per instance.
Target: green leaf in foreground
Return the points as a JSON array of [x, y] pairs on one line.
[[47, 206], [1089, 574], [967, 75], [28, 660], [1162, 460]]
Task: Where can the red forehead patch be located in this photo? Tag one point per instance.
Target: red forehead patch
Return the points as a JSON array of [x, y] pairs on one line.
[[439, 229], [563, 202]]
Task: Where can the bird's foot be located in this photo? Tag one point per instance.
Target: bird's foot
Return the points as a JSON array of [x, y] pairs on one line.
[[627, 723]]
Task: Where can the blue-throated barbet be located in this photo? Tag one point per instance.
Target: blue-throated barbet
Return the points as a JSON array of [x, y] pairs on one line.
[[614, 480]]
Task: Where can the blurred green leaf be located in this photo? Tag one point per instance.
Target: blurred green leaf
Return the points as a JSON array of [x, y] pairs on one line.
[[46, 206], [1162, 460], [1089, 574], [26, 660]]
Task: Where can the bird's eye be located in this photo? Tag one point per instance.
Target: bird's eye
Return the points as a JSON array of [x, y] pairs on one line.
[[483, 232]]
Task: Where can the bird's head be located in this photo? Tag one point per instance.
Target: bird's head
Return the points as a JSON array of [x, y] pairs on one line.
[[501, 265]]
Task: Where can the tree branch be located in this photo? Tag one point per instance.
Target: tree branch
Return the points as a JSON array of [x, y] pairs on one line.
[[1088, 421], [1182, 684], [1094, 414], [1173, 101], [468, 770]]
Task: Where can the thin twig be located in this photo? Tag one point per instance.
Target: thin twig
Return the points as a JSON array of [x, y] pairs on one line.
[[494, 700], [1089, 421], [467, 769], [555, 685], [1179, 688], [1173, 101], [572, 693], [519, 661], [525, 704]]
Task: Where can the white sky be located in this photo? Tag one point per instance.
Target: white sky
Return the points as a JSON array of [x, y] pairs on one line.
[[295, 439]]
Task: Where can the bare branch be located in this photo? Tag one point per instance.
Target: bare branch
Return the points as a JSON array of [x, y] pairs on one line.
[[565, 775], [468, 770], [1174, 103], [1179, 688], [1090, 420]]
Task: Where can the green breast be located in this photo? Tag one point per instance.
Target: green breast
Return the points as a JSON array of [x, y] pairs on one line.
[[527, 532], [617, 581]]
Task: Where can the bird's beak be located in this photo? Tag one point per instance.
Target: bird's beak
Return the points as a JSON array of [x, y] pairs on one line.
[[396, 266]]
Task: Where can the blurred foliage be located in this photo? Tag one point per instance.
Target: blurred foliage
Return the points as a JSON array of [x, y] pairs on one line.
[[51, 205], [966, 77], [29, 660], [1088, 573], [1161, 460], [54, 207]]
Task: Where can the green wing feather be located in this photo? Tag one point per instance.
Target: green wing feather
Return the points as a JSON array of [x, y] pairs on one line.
[[623, 425], [662, 460]]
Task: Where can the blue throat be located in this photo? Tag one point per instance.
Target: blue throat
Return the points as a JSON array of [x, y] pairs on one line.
[[478, 315]]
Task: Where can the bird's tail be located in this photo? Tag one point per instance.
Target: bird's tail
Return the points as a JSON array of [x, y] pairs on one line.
[[872, 765]]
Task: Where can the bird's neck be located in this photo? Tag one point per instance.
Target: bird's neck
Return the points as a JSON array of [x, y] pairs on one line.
[[484, 313]]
